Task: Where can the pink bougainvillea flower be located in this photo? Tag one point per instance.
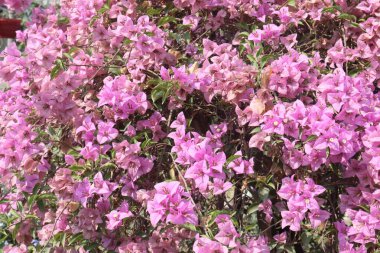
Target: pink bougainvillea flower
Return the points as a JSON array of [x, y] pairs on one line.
[[90, 152], [292, 219], [170, 204], [102, 187], [115, 217], [106, 132], [82, 191], [317, 217]]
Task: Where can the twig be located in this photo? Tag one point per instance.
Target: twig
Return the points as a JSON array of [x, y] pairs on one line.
[[275, 224], [186, 186], [55, 224], [99, 68], [200, 36], [169, 119], [345, 47]]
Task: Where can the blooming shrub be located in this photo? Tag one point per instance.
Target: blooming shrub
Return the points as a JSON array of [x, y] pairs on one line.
[[192, 126], [16, 5]]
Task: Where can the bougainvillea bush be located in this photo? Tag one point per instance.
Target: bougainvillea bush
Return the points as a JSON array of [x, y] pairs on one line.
[[192, 126]]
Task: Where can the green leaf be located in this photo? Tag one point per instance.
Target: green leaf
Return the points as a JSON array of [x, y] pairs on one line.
[[311, 138], [213, 214], [108, 165], [116, 70], [55, 71], [31, 200], [306, 239], [253, 209], [150, 34], [253, 223], [30, 216], [256, 130], [259, 52], [298, 145], [77, 167], [15, 230], [264, 60], [365, 208], [161, 91], [63, 241], [251, 58], [41, 204], [68, 56], [332, 9], [4, 86], [292, 3], [232, 158], [76, 238], [127, 41], [165, 20], [47, 196], [244, 34], [187, 37], [191, 227], [104, 8], [73, 50], [93, 20], [166, 95], [347, 16], [264, 193], [156, 95], [63, 20], [153, 12], [354, 24], [289, 249], [20, 207], [92, 247]]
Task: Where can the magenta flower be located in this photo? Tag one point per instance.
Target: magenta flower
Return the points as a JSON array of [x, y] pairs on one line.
[[30, 182], [192, 21], [198, 172], [115, 217], [280, 238], [219, 186], [241, 166], [205, 245], [292, 219], [215, 164], [106, 132], [317, 217], [227, 233], [82, 191], [266, 208], [87, 129], [169, 205], [182, 213], [90, 152], [102, 187]]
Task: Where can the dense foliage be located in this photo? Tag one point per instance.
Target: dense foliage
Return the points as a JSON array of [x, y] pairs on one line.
[[192, 126]]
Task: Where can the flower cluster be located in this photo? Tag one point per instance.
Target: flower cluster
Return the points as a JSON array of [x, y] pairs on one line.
[[191, 126], [202, 154], [227, 238], [301, 198], [168, 205], [16, 5], [291, 75]]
